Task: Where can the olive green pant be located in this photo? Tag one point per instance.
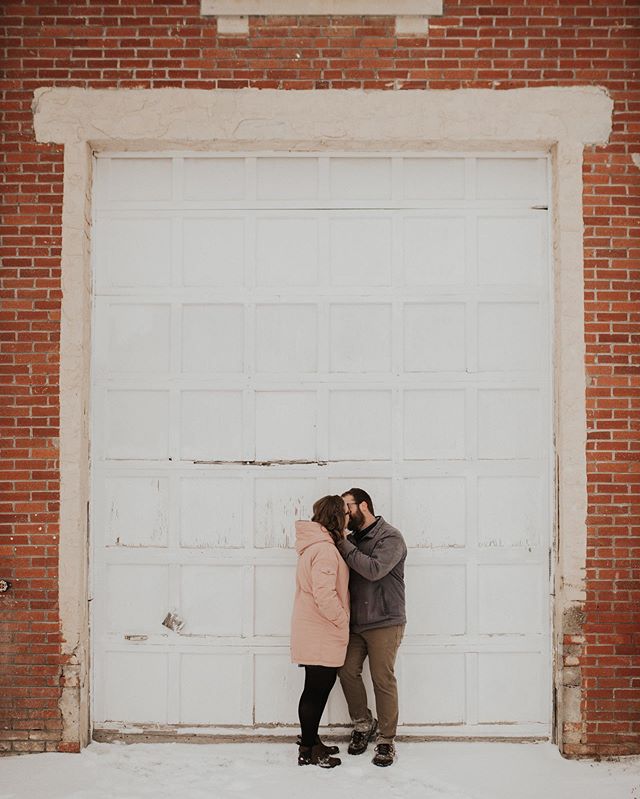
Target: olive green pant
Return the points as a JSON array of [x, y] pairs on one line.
[[381, 647]]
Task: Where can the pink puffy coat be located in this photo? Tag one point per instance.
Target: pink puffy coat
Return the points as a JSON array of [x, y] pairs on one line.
[[320, 619]]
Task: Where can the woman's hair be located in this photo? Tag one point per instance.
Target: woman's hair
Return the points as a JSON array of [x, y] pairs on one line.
[[329, 512]]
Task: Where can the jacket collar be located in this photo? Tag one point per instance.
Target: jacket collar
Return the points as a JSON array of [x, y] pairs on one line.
[[372, 531]]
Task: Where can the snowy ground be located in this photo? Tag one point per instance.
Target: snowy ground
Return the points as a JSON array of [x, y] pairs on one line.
[[266, 771]]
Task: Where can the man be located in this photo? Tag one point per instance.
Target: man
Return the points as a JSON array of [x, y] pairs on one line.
[[375, 553]]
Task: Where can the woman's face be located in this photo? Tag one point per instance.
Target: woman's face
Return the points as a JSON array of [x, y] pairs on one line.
[[347, 515]]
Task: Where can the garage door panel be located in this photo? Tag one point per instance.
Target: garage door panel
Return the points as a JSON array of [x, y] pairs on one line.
[[286, 425], [137, 598], [137, 337], [136, 686], [509, 511], [274, 586], [512, 178], [211, 425], [435, 512], [278, 686], [433, 688], [433, 178], [137, 425], [440, 594], [434, 250], [435, 337], [509, 599], [511, 251], [286, 250], [509, 686], [434, 424], [360, 179], [213, 178], [509, 423], [360, 425], [360, 337], [286, 338], [510, 337], [131, 180], [136, 511], [361, 250], [213, 251], [212, 600], [212, 339], [226, 679], [287, 178], [211, 512], [279, 503], [137, 251]]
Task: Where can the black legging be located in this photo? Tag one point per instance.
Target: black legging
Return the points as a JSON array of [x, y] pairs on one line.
[[318, 682]]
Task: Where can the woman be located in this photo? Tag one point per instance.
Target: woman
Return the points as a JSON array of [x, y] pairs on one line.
[[320, 621]]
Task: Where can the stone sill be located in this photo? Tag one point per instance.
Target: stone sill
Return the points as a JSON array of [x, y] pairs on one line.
[[233, 15]]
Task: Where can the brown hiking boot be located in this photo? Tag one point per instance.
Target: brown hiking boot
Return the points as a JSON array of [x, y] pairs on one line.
[[360, 740], [385, 755]]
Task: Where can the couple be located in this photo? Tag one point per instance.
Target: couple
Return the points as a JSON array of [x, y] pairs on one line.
[[349, 605]]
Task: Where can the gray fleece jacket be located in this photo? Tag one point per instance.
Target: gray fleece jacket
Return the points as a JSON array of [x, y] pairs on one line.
[[376, 579]]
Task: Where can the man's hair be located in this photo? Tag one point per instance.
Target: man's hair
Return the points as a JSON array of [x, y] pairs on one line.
[[360, 495]]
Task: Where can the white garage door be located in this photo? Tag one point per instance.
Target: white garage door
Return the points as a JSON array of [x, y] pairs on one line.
[[272, 328]]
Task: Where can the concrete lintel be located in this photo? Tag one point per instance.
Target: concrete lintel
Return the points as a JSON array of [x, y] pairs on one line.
[[295, 8], [412, 26], [233, 26], [194, 117]]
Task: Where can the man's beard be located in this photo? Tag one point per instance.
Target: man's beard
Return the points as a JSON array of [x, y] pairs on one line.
[[356, 521]]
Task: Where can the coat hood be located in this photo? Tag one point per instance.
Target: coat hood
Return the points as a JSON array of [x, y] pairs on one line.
[[308, 533]]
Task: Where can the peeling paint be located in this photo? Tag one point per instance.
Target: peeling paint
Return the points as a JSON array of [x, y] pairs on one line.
[[173, 621]]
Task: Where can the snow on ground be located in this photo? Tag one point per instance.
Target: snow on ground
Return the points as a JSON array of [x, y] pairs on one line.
[[440, 770]]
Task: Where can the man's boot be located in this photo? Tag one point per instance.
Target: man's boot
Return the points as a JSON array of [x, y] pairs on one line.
[[385, 754], [360, 740]]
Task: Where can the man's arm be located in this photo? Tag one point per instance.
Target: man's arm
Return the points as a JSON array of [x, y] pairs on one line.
[[386, 554]]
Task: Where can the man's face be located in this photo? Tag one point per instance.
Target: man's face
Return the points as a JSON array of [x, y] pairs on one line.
[[356, 517]]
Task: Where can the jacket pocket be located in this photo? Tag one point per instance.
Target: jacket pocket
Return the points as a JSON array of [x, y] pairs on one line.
[[382, 600]]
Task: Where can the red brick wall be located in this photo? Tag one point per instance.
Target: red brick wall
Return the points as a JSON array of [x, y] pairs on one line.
[[496, 45]]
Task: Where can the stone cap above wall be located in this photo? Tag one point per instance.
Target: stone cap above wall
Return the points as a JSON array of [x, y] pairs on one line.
[[233, 15]]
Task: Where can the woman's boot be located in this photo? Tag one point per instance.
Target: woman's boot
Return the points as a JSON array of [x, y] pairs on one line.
[[317, 756], [330, 750]]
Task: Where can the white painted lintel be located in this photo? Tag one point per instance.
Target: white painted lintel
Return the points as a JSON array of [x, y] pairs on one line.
[[321, 8]]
